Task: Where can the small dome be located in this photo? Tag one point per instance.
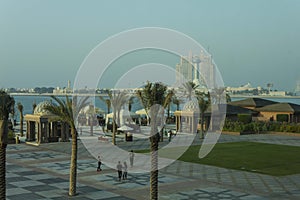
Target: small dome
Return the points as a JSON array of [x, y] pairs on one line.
[[191, 106], [40, 108]]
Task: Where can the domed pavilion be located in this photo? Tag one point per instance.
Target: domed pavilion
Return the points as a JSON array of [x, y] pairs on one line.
[[43, 126], [187, 118]]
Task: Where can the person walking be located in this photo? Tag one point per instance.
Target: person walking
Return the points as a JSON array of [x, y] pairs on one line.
[[131, 158], [119, 168], [99, 164], [125, 171], [169, 135]]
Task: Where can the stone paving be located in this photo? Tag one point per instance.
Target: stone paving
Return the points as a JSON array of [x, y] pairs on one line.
[[42, 173]]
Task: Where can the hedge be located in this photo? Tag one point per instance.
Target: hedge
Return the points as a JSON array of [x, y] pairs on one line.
[[257, 127]]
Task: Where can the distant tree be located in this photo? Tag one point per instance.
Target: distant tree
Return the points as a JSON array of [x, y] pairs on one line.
[[20, 108], [177, 102], [130, 102], [37, 90], [189, 87], [50, 89], [117, 99], [203, 102], [6, 106], [106, 101], [33, 107]]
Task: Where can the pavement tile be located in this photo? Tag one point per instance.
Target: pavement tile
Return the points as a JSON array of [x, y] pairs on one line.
[[42, 179]]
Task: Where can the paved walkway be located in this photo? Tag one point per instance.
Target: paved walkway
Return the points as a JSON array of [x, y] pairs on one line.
[[42, 173]]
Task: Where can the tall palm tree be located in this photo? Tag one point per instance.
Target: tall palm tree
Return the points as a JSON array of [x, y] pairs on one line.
[[203, 102], [67, 111], [117, 99], [152, 95], [20, 108], [6, 106]]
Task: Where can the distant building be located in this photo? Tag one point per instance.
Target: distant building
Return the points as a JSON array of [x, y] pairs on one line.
[[197, 68], [297, 89], [65, 90], [277, 93], [247, 87]]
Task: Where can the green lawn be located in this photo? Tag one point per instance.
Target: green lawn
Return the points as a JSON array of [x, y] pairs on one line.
[[277, 160], [272, 159]]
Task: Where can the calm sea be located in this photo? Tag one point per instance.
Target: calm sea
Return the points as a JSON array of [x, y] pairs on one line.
[[27, 102]]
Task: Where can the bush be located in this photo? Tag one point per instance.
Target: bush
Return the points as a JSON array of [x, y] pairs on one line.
[[257, 127], [282, 118], [10, 135], [244, 118]]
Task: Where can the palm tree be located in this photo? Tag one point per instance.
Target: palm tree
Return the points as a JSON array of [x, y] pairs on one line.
[[203, 102], [168, 103], [33, 107], [176, 101], [189, 87], [67, 111], [20, 108], [106, 101], [117, 101], [6, 106], [130, 102], [152, 95], [217, 93]]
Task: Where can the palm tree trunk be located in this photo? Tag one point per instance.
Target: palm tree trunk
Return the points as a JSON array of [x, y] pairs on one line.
[[202, 125], [3, 139], [73, 167], [114, 129], [154, 159], [21, 125]]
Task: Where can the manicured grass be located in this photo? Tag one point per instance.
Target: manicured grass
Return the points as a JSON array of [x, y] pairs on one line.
[[277, 160]]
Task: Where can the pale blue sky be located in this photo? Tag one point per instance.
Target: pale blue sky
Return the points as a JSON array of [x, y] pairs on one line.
[[43, 43]]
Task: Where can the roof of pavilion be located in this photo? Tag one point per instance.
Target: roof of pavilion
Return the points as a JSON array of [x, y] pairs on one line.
[[231, 110], [281, 107], [252, 102]]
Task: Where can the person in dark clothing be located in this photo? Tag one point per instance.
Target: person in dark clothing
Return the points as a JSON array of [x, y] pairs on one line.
[[99, 164], [119, 168]]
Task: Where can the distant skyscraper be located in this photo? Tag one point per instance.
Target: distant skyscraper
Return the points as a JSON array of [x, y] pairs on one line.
[[297, 89], [197, 68]]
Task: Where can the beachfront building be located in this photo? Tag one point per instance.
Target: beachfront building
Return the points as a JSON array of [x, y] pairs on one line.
[[43, 127], [243, 88], [252, 103], [273, 111]]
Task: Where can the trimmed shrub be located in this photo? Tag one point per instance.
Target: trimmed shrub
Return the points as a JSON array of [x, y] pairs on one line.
[[10, 135], [282, 117], [244, 118]]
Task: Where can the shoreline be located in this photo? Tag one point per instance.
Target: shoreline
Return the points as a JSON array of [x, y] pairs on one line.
[[93, 94]]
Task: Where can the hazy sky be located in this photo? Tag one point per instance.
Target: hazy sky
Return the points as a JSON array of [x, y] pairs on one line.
[[43, 43]]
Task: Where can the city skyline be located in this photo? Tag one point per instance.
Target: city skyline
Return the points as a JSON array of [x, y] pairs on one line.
[[44, 43]]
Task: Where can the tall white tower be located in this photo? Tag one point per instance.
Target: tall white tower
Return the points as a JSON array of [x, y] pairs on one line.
[[297, 89], [196, 60]]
